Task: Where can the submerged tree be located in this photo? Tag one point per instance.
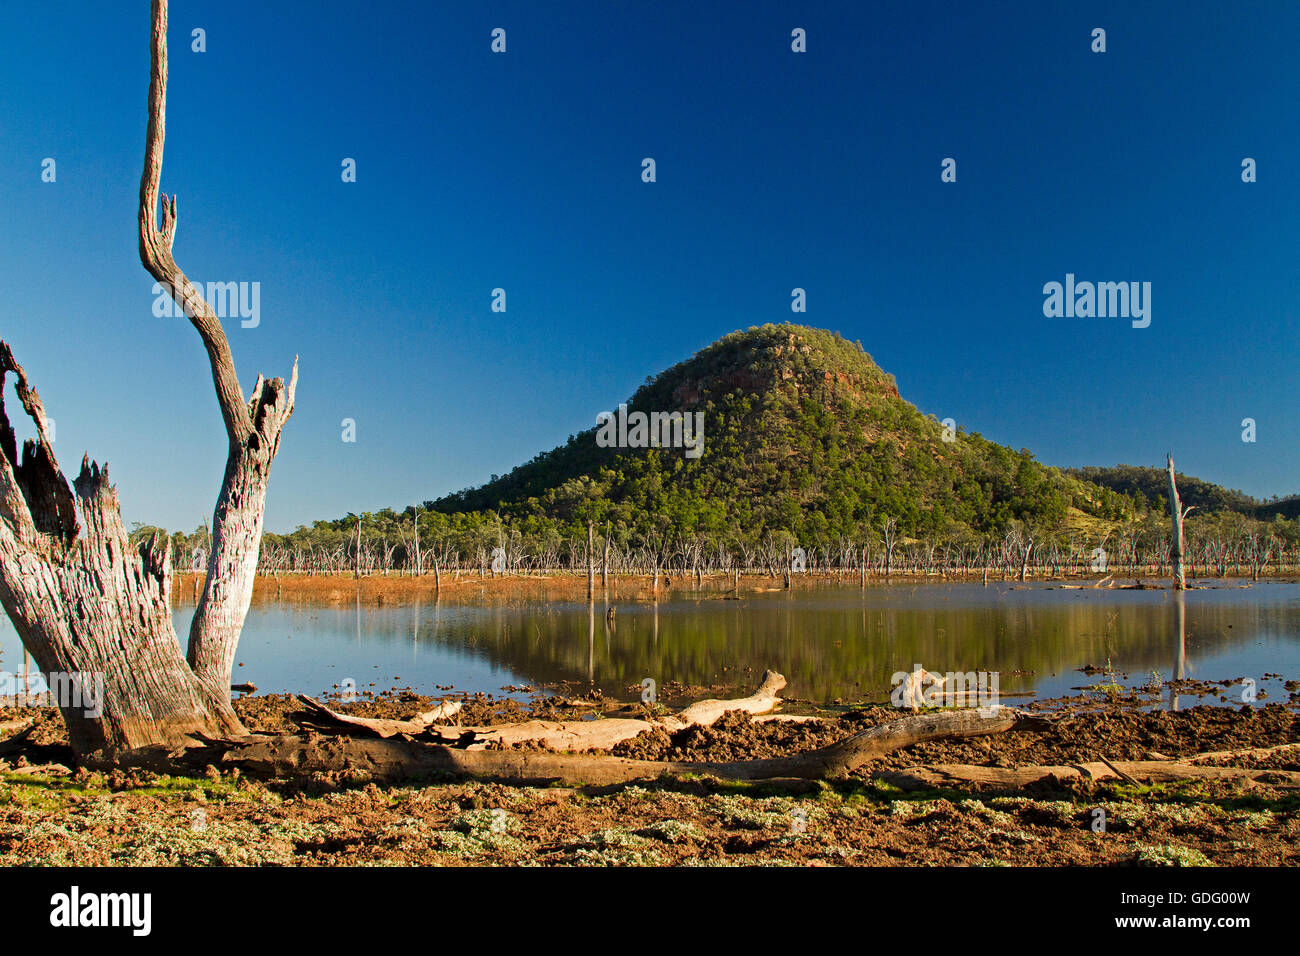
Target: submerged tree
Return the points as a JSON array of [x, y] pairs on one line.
[[93, 610], [1176, 515]]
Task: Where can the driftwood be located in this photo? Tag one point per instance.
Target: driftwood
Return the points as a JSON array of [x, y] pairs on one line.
[[380, 726], [1196, 767], [400, 757], [393, 750], [558, 735], [1253, 753]]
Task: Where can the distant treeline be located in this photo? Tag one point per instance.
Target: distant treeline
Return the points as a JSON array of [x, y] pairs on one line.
[[1216, 544]]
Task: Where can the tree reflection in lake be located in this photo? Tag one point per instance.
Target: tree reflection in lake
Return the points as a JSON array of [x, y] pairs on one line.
[[832, 644]]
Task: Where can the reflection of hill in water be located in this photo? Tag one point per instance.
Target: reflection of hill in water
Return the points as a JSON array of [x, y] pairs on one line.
[[839, 645]]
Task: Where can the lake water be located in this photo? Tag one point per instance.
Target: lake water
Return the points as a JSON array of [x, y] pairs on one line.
[[831, 643]]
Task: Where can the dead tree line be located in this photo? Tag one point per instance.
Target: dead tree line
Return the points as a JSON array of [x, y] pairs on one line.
[[1211, 549]]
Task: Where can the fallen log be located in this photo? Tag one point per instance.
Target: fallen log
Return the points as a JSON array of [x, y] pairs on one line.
[[705, 712], [1248, 754], [939, 776], [380, 726], [602, 734], [41, 770], [398, 757]]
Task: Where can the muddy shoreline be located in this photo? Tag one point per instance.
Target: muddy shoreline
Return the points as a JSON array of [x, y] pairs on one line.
[[49, 815], [52, 814]]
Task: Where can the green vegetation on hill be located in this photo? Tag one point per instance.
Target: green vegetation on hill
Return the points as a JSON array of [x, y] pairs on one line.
[[804, 433], [806, 440]]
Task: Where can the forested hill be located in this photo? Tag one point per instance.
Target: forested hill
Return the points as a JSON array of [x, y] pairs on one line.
[[803, 433], [1149, 486]]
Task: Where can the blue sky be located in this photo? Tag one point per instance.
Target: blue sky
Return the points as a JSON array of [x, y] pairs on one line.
[[775, 170]]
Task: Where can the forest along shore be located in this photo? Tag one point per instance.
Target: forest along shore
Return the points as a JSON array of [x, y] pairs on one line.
[[903, 809]]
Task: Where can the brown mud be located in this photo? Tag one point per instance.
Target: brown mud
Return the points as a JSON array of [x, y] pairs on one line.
[[51, 815]]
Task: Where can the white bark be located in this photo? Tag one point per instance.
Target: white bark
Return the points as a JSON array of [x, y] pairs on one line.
[[93, 611], [87, 605], [253, 427], [1176, 544]]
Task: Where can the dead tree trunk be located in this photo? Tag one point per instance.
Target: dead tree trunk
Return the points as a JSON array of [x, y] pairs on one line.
[[890, 526], [415, 533], [1176, 544], [604, 561], [253, 426], [591, 557], [94, 611]]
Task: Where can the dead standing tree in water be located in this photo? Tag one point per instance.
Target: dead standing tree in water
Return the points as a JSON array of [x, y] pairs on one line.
[[89, 606], [1177, 514]]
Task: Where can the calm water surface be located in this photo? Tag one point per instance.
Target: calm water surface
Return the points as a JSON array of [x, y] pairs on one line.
[[830, 643]]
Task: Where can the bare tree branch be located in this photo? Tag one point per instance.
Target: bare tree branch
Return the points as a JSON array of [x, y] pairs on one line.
[[156, 245]]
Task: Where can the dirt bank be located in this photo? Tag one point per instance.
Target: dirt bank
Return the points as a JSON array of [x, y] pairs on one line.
[[53, 816]]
